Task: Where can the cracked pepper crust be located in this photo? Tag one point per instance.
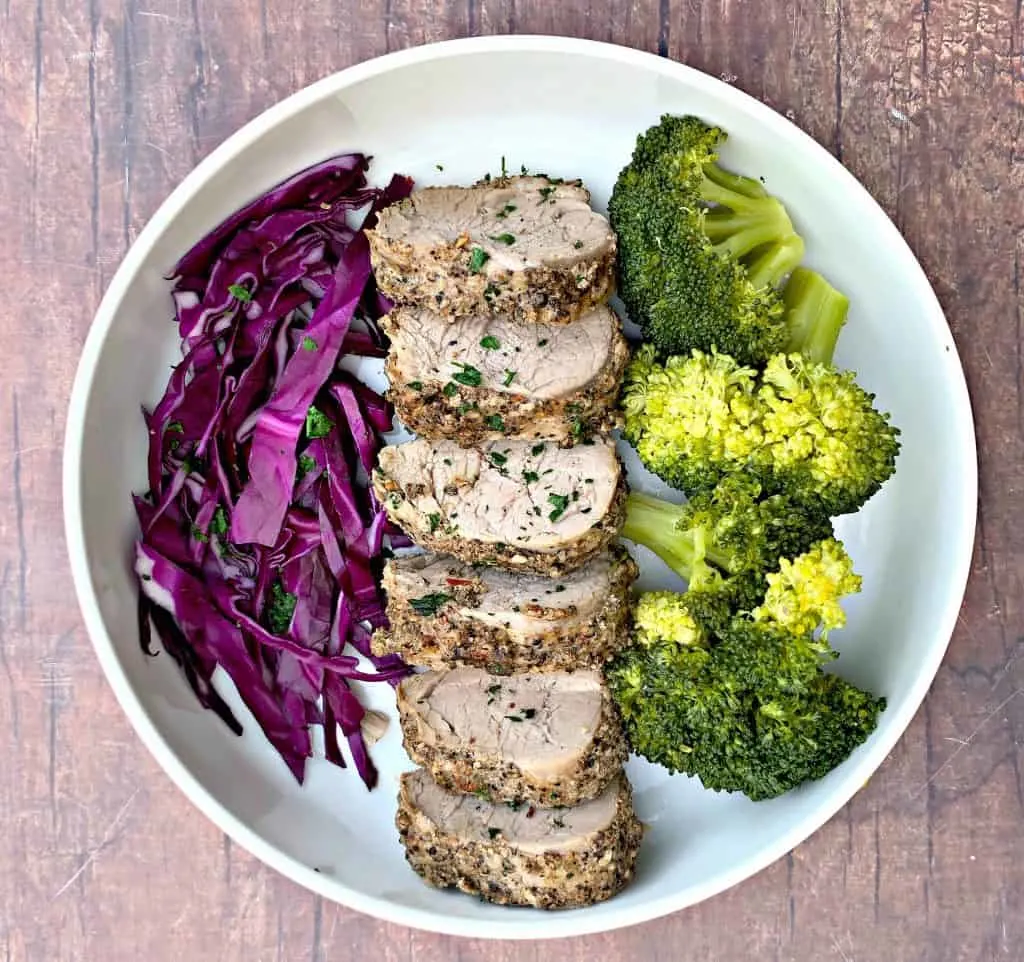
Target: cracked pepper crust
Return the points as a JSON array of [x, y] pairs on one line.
[[448, 640], [432, 414], [552, 563], [499, 872], [472, 772]]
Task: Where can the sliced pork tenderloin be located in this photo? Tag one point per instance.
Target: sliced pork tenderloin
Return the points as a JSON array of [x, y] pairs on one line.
[[519, 504], [481, 378], [444, 614], [529, 248], [550, 738], [548, 858]]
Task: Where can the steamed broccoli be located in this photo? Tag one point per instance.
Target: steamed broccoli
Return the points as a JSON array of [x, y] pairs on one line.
[[745, 707], [802, 429], [724, 542], [702, 253]]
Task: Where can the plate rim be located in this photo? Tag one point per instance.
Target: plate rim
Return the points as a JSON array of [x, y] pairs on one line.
[[518, 926]]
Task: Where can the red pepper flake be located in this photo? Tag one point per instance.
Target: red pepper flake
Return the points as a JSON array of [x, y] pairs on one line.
[[530, 812], [458, 582]]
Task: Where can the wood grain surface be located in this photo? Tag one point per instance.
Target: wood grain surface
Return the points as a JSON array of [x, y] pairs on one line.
[[106, 104]]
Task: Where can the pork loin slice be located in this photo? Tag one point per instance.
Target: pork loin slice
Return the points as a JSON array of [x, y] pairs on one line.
[[529, 248], [547, 858], [535, 380], [550, 738], [505, 621], [520, 504]]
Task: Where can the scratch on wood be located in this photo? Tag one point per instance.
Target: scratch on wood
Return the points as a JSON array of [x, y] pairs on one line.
[[226, 843], [19, 516], [878, 870], [839, 949], [968, 741], [127, 45], [94, 136], [792, 898], [838, 133], [108, 837], [52, 760], [165, 17], [318, 922]]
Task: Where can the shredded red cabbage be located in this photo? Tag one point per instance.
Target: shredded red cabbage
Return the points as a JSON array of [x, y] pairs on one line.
[[262, 541]]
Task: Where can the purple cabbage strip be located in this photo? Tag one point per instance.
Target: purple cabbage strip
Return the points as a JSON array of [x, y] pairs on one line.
[[261, 546], [272, 460]]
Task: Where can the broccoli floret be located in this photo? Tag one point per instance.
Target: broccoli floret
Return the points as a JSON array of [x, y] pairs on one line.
[[802, 429], [746, 707], [702, 253], [725, 541]]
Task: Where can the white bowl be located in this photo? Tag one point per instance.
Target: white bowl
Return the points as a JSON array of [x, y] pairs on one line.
[[568, 107]]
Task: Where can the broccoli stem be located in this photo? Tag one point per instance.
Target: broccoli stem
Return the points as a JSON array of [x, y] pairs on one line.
[[815, 315], [773, 264], [656, 524], [748, 221]]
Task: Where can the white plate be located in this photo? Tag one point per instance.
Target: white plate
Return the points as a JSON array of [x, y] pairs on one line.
[[571, 108]]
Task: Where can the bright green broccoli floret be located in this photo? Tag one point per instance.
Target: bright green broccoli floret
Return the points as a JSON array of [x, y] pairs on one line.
[[702, 253], [746, 707], [725, 541], [802, 429]]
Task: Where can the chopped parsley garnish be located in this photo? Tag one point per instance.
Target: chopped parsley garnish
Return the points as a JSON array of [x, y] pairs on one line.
[[559, 502], [493, 832], [307, 463], [439, 167], [318, 424], [510, 376], [545, 193], [528, 713], [504, 169], [530, 476], [542, 342], [308, 344], [201, 536], [498, 459], [176, 426], [578, 244], [514, 718], [495, 422], [491, 291], [416, 385], [219, 523], [559, 588], [450, 389], [429, 604], [435, 521], [507, 239], [537, 449], [490, 343], [280, 608], [505, 211], [467, 406], [468, 375], [477, 259], [236, 290]]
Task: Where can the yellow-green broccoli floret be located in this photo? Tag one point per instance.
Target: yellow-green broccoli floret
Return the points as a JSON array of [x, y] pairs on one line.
[[804, 593], [803, 429]]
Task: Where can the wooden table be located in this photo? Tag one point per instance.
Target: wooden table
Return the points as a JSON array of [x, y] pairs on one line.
[[106, 104]]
